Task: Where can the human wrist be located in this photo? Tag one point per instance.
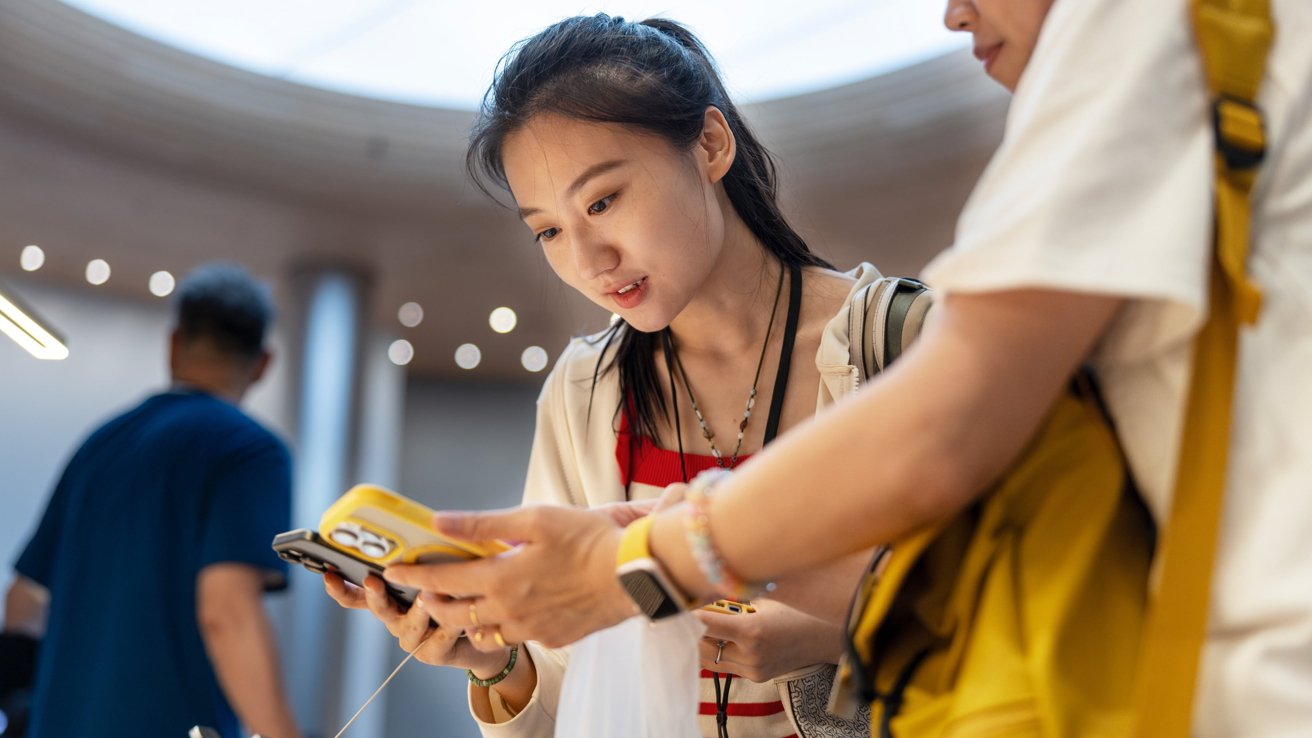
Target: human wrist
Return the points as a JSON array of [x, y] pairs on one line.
[[486, 664], [511, 656], [690, 553]]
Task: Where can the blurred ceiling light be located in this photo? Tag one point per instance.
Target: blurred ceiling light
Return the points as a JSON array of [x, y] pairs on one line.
[[161, 284], [468, 356], [411, 314], [503, 320], [534, 358], [19, 325], [32, 258], [97, 271], [401, 352]]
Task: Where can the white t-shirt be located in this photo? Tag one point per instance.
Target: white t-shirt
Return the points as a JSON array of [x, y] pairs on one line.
[[1103, 185]]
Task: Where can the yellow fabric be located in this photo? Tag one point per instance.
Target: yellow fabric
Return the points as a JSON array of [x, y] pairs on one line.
[[1028, 606], [1235, 38]]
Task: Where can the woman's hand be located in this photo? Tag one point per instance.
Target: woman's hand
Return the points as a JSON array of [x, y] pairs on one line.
[[556, 586], [446, 645], [623, 513], [768, 643]]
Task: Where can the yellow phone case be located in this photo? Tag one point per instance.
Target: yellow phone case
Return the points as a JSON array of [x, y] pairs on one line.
[[729, 607], [386, 528]]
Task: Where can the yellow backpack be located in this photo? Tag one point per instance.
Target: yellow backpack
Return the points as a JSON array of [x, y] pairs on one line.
[[1025, 614]]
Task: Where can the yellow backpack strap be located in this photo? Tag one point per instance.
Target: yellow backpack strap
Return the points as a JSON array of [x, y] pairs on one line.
[[1234, 37]]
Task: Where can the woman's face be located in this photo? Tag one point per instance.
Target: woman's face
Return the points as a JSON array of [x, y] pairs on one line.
[[623, 217], [1005, 32]]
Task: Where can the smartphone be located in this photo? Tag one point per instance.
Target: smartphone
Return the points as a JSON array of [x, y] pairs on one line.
[[381, 526], [730, 607], [305, 547]]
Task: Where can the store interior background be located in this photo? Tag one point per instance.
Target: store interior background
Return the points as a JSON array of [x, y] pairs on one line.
[[114, 146]]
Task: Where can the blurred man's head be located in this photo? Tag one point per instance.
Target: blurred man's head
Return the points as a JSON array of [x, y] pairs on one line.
[[222, 317]]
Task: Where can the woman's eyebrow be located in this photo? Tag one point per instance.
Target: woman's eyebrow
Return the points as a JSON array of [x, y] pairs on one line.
[[587, 175]]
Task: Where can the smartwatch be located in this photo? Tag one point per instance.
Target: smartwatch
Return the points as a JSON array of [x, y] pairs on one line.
[[642, 576]]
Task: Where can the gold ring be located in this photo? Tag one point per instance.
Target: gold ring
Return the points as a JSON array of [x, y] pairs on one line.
[[473, 613], [496, 636], [478, 636], [719, 650]]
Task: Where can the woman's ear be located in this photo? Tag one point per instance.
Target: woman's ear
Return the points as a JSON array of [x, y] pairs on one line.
[[717, 145]]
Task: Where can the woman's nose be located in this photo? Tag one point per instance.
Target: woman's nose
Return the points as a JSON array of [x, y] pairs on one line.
[[594, 255], [960, 15]]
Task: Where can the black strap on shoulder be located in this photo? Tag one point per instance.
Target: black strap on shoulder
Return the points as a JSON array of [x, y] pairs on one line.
[[785, 352]]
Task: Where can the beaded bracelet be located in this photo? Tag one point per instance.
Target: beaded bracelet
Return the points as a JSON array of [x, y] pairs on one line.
[[697, 526], [514, 656]]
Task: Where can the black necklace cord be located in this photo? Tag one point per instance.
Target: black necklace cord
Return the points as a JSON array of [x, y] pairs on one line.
[[785, 352], [667, 344]]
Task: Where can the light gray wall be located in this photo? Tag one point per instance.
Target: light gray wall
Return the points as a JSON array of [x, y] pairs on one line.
[[465, 447]]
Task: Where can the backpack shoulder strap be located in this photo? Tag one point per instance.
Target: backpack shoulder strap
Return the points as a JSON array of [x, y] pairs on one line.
[[1234, 37], [884, 319]]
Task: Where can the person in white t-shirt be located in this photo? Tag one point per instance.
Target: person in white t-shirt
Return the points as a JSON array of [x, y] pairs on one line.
[[1087, 240]]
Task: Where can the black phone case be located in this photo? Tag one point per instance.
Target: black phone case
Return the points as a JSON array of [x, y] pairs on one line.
[[305, 547]]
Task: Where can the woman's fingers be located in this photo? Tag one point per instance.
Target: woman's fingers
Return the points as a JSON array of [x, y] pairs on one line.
[[379, 602], [343, 592]]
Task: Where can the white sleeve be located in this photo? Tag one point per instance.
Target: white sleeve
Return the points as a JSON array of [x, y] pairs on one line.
[[1103, 181], [538, 718]]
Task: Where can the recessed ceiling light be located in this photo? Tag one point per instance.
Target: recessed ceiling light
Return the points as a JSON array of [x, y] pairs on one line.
[[468, 356], [97, 271], [503, 320], [411, 314], [32, 258], [401, 352], [162, 284], [534, 358]]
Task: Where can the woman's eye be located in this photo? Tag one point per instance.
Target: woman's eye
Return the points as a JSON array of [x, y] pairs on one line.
[[546, 235], [601, 205]]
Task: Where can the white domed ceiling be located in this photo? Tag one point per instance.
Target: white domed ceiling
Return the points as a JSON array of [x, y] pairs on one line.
[[441, 53], [126, 138]]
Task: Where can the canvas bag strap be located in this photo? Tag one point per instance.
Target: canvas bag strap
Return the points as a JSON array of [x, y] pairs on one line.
[[1234, 37]]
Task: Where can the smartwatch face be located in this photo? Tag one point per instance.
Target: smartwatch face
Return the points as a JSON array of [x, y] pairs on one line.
[[650, 593]]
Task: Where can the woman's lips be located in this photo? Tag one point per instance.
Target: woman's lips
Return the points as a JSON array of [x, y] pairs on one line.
[[630, 295], [988, 55]]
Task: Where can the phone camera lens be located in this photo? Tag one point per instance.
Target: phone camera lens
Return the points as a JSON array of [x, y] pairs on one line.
[[345, 536]]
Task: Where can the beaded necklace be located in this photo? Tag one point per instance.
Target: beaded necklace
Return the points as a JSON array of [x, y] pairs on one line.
[[751, 397]]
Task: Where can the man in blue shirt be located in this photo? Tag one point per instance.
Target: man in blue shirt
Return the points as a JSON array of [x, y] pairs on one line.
[[144, 578]]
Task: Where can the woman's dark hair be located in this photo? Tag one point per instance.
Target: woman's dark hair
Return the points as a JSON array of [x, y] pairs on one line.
[[652, 75]]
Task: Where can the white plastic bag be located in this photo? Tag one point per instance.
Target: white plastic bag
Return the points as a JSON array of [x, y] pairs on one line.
[[637, 680]]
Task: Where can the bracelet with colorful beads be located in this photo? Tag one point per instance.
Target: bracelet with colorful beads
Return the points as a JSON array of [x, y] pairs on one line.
[[697, 526]]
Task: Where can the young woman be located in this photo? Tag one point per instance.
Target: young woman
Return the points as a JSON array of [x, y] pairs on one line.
[[1087, 240], [638, 178]]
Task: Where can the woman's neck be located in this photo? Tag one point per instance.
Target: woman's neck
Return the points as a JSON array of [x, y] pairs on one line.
[[730, 312]]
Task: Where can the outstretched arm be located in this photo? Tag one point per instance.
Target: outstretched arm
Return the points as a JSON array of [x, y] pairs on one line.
[[917, 445], [240, 642]]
